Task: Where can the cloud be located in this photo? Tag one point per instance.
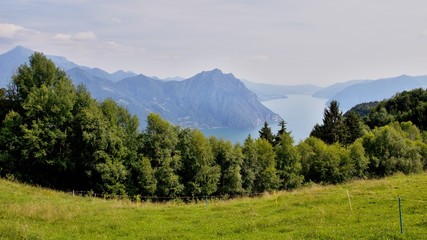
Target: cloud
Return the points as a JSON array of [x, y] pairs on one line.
[[80, 36], [62, 36], [71, 44], [11, 31], [84, 36]]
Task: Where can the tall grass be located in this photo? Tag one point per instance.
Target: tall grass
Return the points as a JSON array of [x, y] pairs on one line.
[[313, 212]]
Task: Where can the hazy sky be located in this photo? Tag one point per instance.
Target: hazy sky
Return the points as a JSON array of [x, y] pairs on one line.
[[272, 41]]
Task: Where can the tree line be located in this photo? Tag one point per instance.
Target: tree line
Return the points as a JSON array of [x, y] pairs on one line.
[[56, 135]]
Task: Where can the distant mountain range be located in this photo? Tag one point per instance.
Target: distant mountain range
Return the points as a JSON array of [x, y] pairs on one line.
[[267, 92], [209, 99], [351, 93], [329, 91]]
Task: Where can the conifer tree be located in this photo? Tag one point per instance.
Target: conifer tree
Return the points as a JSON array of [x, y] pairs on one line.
[[288, 165], [332, 129], [266, 133]]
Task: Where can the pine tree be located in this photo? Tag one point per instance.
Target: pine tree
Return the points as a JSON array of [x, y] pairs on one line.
[[266, 133], [288, 159], [353, 128], [332, 129]]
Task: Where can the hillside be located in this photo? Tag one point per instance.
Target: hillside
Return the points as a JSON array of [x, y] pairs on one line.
[[314, 212]]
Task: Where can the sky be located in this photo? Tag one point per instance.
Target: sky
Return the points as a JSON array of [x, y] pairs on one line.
[[286, 42]]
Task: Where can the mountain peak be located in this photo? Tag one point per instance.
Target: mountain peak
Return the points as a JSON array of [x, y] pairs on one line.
[[216, 70], [216, 74], [404, 76], [20, 50]]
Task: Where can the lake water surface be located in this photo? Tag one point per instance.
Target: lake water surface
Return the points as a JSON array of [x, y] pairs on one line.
[[300, 112]]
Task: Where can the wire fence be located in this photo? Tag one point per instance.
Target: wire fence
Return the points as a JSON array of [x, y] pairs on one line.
[[141, 198], [206, 199]]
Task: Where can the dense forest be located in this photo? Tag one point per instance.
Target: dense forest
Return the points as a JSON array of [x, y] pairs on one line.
[[56, 135]]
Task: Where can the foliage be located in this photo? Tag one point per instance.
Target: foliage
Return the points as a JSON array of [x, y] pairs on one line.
[[402, 107], [362, 109], [321, 162], [266, 133], [229, 158], [56, 135], [200, 172], [250, 167], [379, 117], [288, 162], [353, 128], [266, 178], [332, 129], [338, 129], [46, 98], [160, 146], [392, 149]]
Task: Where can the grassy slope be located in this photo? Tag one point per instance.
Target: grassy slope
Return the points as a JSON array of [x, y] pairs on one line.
[[314, 212]]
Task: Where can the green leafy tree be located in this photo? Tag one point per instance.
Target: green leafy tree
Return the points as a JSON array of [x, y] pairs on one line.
[[409, 106], [353, 128], [267, 179], [7, 104], [423, 151], [363, 109], [229, 159], [40, 71], [102, 151], [46, 97], [200, 173], [288, 165], [390, 150], [160, 146], [322, 163], [379, 117], [307, 154], [144, 181], [11, 146], [112, 175], [88, 136], [250, 166], [359, 159]]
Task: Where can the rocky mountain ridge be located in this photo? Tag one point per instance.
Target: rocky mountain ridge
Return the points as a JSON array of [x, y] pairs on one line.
[[210, 99]]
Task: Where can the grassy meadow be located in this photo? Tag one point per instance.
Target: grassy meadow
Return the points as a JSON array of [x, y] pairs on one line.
[[313, 212]]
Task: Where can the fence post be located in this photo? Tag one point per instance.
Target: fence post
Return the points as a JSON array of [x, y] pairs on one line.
[[400, 216], [275, 198], [349, 201]]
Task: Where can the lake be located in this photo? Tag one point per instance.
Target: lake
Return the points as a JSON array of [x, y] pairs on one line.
[[300, 112]]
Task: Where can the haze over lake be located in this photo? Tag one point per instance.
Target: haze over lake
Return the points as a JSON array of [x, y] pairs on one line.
[[300, 112]]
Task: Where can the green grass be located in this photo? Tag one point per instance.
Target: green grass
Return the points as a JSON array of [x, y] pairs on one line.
[[313, 212]]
